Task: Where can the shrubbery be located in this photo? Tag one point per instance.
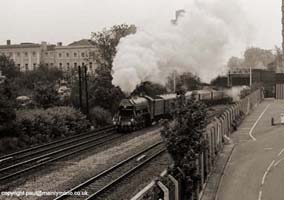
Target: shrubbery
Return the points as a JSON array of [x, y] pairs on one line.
[[100, 116], [40, 126], [185, 140]]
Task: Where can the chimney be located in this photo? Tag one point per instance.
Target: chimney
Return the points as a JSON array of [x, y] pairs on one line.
[[8, 42], [44, 46], [59, 44]]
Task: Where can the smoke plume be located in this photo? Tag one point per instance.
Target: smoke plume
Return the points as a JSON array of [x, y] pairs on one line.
[[200, 42]]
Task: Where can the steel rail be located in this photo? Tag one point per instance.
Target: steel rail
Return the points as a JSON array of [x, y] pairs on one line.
[[98, 131], [14, 174], [53, 147], [111, 169], [123, 176]]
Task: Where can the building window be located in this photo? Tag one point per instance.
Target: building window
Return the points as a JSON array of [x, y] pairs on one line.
[[34, 66], [26, 54], [59, 55], [10, 54], [90, 66], [60, 65], [46, 53], [75, 64], [83, 64], [18, 54], [19, 66], [68, 66], [67, 54], [26, 67], [34, 54], [83, 54], [75, 54], [51, 64]]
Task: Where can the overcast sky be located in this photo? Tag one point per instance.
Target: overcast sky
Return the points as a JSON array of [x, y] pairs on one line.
[[69, 20]]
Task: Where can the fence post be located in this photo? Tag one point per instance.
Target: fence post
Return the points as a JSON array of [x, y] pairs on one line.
[[177, 187], [165, 190]]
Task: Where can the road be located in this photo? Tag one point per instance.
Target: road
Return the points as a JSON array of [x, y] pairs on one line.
[[255, 170]]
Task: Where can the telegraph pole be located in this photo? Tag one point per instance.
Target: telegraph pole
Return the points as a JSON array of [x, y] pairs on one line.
[[86, 90], [282, 9], [282, 26], [80, 88]]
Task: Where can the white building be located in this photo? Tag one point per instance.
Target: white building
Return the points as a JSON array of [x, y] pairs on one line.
[[28, 56]]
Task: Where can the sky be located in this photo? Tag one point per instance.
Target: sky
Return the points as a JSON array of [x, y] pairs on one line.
[[70, 20]]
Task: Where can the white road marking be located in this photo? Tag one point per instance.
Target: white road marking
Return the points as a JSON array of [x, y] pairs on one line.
[[267, 171], [268, 149], [280, 152], [259, 118], [260, 195], [278, 162], [263, 179]]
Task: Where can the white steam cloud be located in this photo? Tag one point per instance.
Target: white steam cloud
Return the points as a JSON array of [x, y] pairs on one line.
[[200, 43]]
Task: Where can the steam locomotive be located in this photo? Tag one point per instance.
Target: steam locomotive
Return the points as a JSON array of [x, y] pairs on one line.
[[138, 112]]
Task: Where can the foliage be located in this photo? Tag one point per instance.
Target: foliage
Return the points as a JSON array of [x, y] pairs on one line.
[[38, 125], [107, 41], [149, 88], [256, 58], [235, 63], [102, 92], [100, 116], [30, 79], [45, 95], [8, 67], [220, 81], [184, 138], [277, 62], [185, 81], [7, 112]]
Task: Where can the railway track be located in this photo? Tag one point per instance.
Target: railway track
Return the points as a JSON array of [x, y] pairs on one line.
[[101, 183], [18, 163]]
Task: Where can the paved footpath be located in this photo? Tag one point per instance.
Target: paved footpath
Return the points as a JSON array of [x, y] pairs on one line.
[[255, 170]]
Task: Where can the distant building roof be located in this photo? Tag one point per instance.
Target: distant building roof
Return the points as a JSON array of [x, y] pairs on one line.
[[22, 45], [83, 42]]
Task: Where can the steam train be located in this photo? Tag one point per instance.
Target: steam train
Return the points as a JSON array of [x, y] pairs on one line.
[[138, 112]]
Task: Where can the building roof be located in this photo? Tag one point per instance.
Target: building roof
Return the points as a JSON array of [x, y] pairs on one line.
[[83, 42], [22, 45]]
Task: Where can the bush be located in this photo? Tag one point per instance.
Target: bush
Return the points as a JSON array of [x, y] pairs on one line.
[[185, 140], [38, 125], [8, 144], [100, 116]]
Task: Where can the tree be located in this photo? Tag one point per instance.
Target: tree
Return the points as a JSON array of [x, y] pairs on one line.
[[45, 95], [43, 73], [185, 81], [149, 88], [258, 58], [102, 92], [235, 63], [8, 67], [220, 81], [277, 62], [7, 112], [107, 41], [184, 138]]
